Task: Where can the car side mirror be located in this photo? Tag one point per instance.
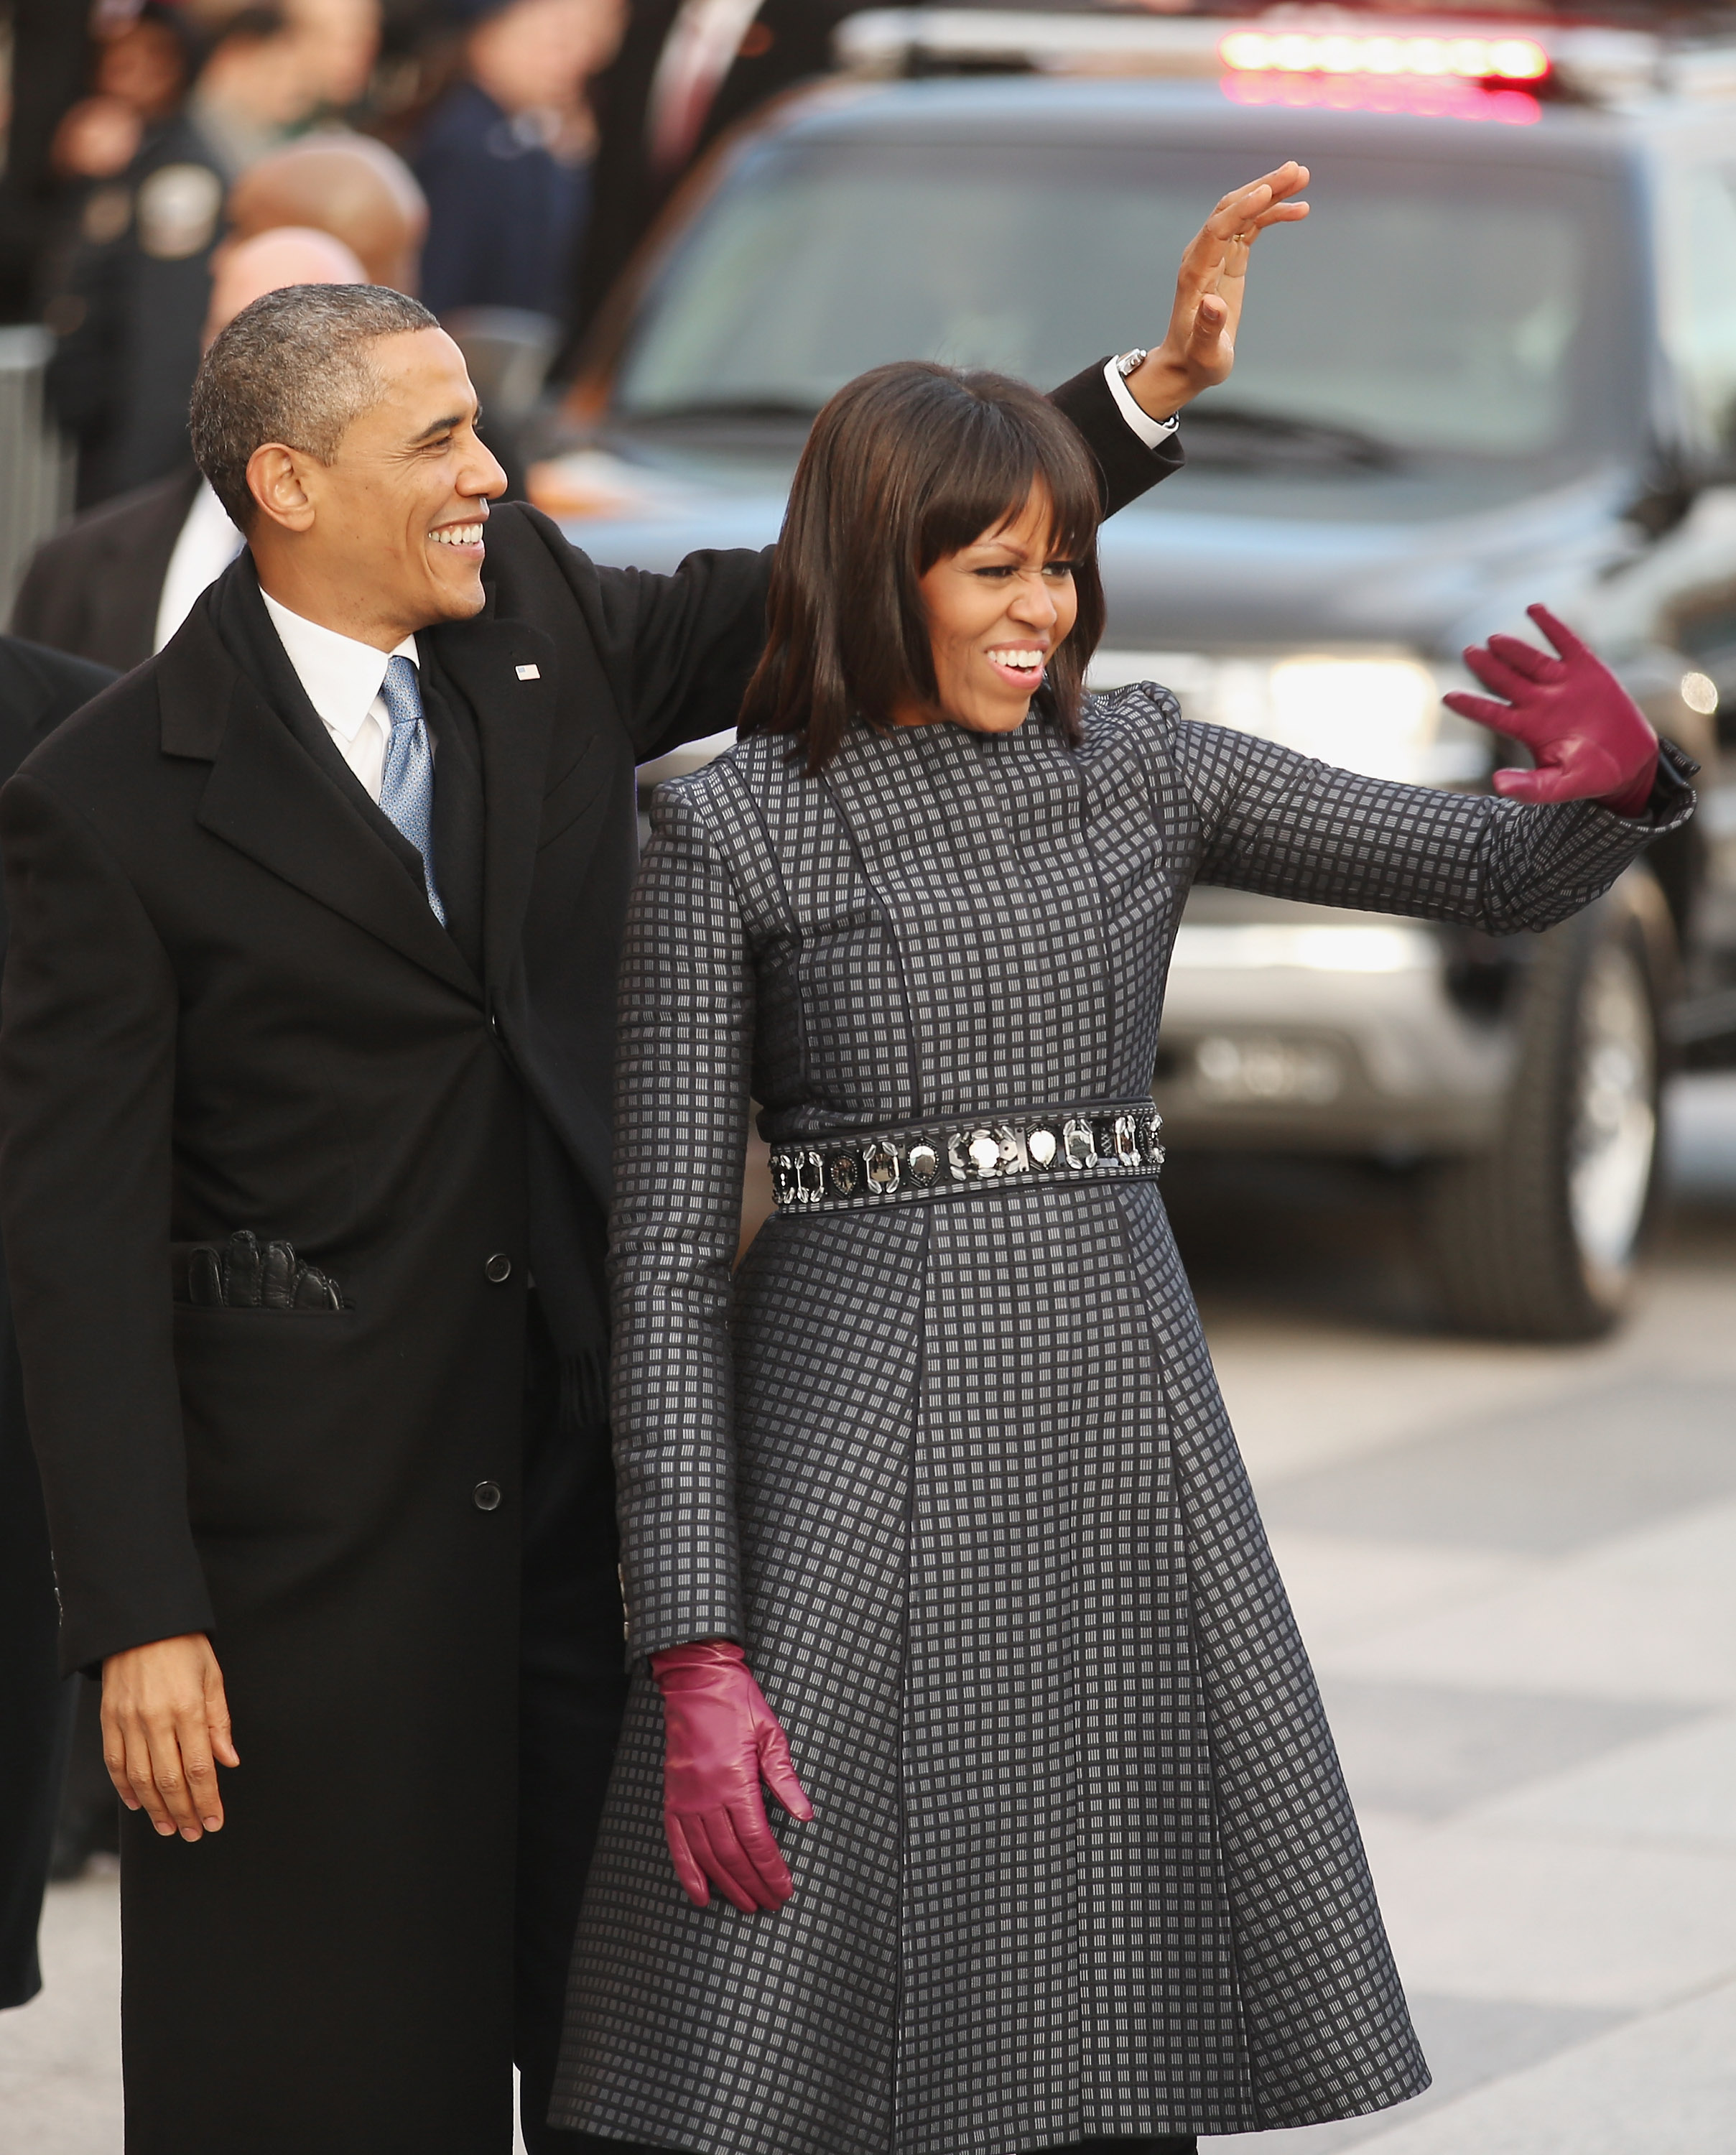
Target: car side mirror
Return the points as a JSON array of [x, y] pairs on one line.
[[1667, 493]]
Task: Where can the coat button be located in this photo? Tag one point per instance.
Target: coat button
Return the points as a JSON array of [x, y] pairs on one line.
[[486, 1495], [498, 1269]]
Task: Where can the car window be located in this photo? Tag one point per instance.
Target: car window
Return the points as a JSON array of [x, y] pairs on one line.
[[1700, 247], [1449, 309]]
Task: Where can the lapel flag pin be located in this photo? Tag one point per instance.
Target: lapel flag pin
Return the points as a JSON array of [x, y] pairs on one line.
[[528, 672]]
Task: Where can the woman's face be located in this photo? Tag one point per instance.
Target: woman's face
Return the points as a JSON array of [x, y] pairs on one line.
[[997, 611]]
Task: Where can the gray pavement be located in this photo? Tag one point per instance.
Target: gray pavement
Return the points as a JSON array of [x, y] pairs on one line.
[[1515, 1568]]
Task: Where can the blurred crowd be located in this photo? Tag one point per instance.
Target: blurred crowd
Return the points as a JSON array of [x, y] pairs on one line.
[[500, 158]]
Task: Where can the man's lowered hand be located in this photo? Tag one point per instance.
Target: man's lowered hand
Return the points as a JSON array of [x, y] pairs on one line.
[[164, 1732]]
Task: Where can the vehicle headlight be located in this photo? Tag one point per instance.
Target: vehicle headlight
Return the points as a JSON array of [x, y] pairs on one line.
[[1378, 712], [1376, 716]]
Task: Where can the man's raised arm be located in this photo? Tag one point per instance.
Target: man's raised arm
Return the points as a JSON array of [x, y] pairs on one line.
[[678, 648]]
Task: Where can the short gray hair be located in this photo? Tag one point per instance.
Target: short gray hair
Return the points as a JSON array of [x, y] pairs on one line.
[[293, 367]]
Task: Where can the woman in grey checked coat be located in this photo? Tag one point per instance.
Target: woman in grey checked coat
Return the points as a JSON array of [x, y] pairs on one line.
[[946, 1456]]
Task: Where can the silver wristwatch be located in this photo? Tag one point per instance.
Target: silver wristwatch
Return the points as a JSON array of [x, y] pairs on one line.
[[1128, 360]]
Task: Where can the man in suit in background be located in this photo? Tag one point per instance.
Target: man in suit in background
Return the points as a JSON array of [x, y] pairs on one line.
[[304, 1080], [38, 689], [117, 583], [687, 70], [99, 588]]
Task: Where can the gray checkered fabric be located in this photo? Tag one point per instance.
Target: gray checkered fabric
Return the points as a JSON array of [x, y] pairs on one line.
[[958, 1473]]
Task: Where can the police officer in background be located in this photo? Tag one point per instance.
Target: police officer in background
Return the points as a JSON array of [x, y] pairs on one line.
[[504, 156], [130, 295]]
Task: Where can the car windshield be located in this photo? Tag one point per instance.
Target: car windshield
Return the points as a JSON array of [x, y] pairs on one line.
[[1453, 310]]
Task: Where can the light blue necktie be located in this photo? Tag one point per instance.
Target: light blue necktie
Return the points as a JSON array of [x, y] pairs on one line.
[[406, 783]]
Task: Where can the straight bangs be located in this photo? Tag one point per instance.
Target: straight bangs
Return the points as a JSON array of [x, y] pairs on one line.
[[906, 465], [992, 492]]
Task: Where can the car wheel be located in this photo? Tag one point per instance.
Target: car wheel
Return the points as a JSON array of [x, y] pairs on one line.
[[1538, 1238]]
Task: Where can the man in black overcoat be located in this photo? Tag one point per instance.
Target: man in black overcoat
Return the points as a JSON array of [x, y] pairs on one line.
[[272, 984]]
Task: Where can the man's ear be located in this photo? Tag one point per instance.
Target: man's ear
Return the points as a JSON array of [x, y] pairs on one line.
[[276, 480]]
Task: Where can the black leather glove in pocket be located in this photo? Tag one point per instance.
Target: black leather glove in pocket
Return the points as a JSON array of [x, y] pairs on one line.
[[242, 1275]]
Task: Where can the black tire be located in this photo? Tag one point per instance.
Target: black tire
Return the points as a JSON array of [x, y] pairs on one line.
[[1539, 1238]]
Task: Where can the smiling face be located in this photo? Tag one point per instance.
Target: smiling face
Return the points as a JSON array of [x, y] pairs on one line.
[[388, 537], [997, 610]]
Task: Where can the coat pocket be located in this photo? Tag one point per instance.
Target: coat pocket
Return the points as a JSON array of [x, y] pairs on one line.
[[279, 1409], [222, 1312]]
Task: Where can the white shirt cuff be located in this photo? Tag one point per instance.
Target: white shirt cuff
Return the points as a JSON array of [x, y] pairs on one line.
[[1152, 433]]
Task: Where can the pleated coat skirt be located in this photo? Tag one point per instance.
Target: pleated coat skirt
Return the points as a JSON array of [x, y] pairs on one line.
[[955, 1468]]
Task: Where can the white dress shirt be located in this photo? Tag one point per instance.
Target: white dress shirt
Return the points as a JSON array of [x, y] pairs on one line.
[[1150, 430], [206, 545], [698, 52], [343, 680]]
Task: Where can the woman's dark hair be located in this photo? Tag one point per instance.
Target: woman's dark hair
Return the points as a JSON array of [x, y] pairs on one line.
[[906, 465]]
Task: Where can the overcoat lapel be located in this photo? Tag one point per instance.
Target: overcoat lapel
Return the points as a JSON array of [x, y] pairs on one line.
[[505, 670], [268, 799]]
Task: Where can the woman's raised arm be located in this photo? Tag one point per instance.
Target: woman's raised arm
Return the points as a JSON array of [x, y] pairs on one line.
[[1283, 825]]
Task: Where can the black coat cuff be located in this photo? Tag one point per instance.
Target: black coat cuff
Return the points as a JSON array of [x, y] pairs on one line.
[[1126, 468], [1672, 798]]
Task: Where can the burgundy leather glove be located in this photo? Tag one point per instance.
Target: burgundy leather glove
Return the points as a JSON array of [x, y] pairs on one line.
[[720, 1740], [1592, 742]]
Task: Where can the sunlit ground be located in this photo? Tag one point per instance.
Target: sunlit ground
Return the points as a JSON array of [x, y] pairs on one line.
[[1515, 1568]]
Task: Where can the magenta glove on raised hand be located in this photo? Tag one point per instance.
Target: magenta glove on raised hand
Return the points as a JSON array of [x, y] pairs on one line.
[[720, 1740], [1591, 740]]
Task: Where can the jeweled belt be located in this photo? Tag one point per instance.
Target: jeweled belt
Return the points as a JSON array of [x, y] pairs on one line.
[[1119, 1139]]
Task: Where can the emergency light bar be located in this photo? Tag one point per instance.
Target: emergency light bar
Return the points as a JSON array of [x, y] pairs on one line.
[[1502, 60], [1304, 55]]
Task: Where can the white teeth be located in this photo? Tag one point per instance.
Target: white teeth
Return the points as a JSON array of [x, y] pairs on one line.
[[1026, 661], [459, 534]]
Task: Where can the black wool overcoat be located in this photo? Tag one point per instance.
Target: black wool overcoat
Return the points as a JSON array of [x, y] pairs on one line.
[[227, 1004]]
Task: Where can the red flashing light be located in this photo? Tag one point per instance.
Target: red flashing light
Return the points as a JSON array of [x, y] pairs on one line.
[[1417, 96], [1439, 58]]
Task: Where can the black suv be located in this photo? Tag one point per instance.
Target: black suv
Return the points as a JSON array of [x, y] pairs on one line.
[[1497, 365]]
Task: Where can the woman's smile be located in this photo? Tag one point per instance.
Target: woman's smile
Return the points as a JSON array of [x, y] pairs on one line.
[[996, 610], [1022, 666]]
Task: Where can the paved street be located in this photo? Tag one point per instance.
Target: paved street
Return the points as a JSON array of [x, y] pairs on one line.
[[1516, 1570]]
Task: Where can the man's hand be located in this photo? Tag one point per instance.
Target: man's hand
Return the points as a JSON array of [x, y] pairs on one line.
[[1199, 349], [165, 1720]]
